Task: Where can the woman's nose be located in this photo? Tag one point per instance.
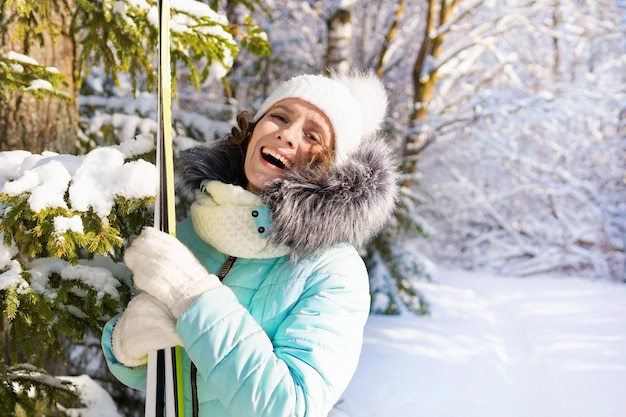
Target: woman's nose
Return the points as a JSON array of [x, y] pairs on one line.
[[288, 135]]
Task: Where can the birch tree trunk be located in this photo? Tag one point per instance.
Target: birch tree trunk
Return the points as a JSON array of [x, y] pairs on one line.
[[425, 76], [339, 38]]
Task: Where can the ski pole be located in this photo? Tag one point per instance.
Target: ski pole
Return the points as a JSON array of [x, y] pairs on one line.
[[164, 396]]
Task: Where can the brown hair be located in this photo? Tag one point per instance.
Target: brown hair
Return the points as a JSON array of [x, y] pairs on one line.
[[239, 137]]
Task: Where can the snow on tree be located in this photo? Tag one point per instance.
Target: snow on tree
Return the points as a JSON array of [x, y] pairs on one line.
[[119, 36], [531, 178], [64, 222]]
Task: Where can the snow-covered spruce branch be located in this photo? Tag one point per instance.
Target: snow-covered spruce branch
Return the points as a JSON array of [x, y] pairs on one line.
[[25, 74]]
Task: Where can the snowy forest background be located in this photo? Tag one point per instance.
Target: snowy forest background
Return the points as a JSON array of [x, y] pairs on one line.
[[509, 118]]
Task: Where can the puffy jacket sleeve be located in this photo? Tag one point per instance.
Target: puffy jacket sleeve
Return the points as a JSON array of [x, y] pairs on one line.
[[132, 377], [304, 367]]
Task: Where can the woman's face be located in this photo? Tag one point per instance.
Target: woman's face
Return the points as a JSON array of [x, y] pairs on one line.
[[285, 137]]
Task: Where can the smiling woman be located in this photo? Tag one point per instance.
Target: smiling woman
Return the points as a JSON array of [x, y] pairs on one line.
[[267, 292], [287, 136]]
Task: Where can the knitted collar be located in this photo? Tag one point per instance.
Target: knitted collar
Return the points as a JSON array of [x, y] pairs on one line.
[[234, 221]]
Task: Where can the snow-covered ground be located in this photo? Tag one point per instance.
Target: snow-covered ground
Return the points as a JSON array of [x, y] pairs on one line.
[[493, 346], [497, 346]]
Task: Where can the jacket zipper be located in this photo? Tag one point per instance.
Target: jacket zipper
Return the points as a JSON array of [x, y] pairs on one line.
[[195, 412]]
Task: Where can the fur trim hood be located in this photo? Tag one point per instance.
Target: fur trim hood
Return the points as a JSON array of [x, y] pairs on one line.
[[352, 203]]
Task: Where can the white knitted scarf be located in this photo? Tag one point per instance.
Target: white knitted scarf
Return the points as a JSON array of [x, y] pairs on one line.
[[221, 217]]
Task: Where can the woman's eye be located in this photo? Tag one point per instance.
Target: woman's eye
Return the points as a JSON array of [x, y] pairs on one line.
[[279, 117], [313, 137]]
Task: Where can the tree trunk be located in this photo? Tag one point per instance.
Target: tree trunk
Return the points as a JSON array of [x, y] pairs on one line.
[[50, 123], [389, 37], [556, 22], [338, 55], [425, 78]]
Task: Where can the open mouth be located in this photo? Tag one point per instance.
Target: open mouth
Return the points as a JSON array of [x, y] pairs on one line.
[[275, 158]]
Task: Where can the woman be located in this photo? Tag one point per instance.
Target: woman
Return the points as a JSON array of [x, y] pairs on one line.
[[267, 293]]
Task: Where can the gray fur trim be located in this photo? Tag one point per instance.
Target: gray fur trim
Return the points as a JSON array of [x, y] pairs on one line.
[[352, 203], [213, 162]]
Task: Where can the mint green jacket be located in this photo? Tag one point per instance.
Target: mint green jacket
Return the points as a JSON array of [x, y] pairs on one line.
[[278, 339]]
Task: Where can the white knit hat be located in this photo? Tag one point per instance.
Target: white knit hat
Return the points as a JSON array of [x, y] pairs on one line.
[[355, 104]]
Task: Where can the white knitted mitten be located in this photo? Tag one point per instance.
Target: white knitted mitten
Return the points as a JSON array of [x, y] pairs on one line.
[[145, 325], [166, 269]]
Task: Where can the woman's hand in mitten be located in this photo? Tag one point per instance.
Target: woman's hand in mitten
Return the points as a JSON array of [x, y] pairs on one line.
[[166, 269], [145, 325]]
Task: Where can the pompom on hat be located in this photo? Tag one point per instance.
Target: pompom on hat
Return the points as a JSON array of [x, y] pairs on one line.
[[355, 104]]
